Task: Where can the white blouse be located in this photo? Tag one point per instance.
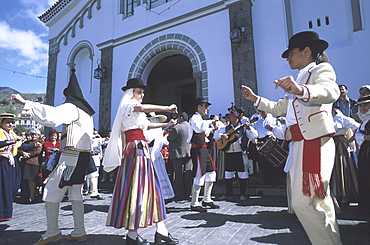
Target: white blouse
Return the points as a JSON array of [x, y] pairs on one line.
[[132, 119]]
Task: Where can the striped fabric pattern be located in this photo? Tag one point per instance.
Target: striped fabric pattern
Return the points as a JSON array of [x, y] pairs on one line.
[[344, 181], [137, 197]]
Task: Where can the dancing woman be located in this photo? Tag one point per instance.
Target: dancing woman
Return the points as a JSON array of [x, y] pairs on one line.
[[137, 198]]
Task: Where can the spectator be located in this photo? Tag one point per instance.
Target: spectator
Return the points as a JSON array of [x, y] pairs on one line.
[[104, 130], [345, 104], [364, 90], [97, 156], [363, 140], [10, 172], [30, 161], [344, 181]]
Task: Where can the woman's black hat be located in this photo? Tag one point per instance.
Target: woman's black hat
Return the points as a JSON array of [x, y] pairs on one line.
[[135, 83], [306, 38]]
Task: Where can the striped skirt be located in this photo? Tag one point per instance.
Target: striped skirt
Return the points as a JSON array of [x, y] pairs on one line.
[[344, 182], [137, 197]]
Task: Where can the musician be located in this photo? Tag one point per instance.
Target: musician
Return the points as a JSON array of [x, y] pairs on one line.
[[203, 165], [307, 105], [263, 125], [234, 160]]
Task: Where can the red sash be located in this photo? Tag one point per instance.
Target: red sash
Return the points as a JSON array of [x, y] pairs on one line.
[[311, 164], [134, 134]]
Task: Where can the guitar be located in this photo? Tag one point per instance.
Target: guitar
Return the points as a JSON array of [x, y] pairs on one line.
[[224, 144]]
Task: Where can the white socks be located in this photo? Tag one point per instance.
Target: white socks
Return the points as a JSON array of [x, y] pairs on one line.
[[132, 234], [78, 218], [208, 191], [195, 195], [52, 214], [161, 228]]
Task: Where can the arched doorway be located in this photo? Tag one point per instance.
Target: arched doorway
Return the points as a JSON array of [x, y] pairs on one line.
[[175, 69], [171, 81]]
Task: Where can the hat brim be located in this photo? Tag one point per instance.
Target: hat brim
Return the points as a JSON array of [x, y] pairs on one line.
[[138, 86], [161, 118], [204, 102], [13, 118], [363, 102], [321, 45]]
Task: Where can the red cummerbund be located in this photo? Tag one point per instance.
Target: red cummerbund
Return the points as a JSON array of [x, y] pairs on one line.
[[134, 134], [296, 133]]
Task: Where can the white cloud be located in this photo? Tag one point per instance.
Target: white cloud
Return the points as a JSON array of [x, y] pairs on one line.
[[34, 8], [32, 51]]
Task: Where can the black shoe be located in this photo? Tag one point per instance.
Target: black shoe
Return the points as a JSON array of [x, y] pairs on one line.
[[210, 204], [97, 197], [138, 241], [198, 209], [158, 238]]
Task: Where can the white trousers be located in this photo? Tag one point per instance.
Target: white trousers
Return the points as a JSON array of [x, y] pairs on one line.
[[209, 177], [52, 192], [316, 215]]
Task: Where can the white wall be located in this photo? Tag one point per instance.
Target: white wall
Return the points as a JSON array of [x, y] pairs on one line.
[[348, 51]]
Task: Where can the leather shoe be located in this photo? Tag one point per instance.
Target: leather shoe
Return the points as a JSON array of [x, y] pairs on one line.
[[138, 241], [167, 239], [98, 197], [78, 238], [210, 204], [198, 209], [44, 240]]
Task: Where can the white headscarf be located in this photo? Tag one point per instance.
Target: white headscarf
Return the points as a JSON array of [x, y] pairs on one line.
[[113, 152], [363, 116]]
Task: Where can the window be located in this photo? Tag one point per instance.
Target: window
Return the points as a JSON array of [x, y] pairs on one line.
[[310, 24], [127, 7], [356, 15], [155, 3]]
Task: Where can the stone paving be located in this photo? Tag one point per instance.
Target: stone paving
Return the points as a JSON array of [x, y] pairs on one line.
[[257, 220]]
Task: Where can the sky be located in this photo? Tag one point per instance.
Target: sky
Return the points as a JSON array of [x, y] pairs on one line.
[[23, 45]]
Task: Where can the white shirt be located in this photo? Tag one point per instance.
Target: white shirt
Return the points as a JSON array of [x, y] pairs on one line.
[[343, 123], [262, 122], [199, 125], [80, 134]]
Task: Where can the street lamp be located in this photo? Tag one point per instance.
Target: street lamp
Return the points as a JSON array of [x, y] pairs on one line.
[[99, 72]]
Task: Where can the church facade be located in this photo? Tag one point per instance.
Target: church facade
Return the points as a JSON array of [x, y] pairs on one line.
[[183, 49]]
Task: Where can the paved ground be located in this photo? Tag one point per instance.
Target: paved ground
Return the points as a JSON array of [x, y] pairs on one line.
[[258, 220]]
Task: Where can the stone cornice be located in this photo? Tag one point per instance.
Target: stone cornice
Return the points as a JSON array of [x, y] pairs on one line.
[[53, 10]]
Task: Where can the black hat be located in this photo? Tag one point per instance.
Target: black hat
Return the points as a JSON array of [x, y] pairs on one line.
[[363, 100], [74, 95], [135, 83], [306, 38], [199, 101], [184, 115]]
